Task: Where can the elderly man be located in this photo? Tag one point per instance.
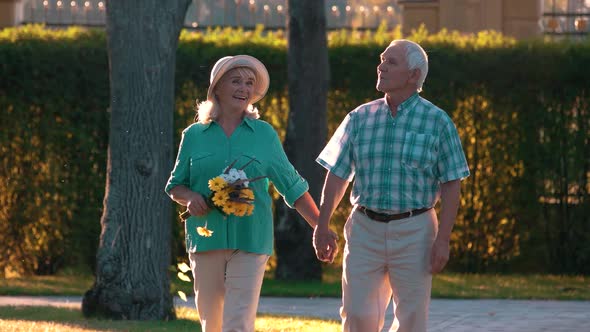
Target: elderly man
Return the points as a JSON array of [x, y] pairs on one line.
[[405, 154]]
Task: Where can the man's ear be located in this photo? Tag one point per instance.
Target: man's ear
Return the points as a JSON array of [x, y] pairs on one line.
[[415, 75]]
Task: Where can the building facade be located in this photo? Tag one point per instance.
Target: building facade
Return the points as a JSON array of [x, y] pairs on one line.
[[522, 19]]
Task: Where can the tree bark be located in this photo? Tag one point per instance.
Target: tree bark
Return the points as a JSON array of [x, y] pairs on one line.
[[134, 251], [308, 77]]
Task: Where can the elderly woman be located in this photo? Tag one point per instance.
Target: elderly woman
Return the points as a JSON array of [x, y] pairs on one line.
[[228, 259]]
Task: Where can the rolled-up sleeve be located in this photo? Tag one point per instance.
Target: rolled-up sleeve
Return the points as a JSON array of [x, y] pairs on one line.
[[288, 182], [180, 174]]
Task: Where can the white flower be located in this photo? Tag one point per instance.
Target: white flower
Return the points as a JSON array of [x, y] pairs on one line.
[[231, 175], [234, 175]]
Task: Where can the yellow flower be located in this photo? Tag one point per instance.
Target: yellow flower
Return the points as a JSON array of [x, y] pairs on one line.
[[240, 209], [228, 208], [250, 209], [247, 193], [217, 183], [203, 231], [221, 197]]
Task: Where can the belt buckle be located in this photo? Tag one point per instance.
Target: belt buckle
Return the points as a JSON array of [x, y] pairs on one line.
[[411, 212]]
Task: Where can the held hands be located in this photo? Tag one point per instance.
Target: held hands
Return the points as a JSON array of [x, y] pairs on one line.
[[325, 244]]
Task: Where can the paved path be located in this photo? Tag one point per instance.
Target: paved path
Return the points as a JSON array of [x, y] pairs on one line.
[[445, 315]]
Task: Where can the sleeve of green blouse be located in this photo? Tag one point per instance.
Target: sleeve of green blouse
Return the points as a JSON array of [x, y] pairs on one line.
[[180, 175], [283, 175]]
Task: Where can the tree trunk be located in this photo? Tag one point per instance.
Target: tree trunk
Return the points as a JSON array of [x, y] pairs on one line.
[[134, 251], [308, 71]]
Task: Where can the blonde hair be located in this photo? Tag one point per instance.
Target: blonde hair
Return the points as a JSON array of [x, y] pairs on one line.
[[208, 110]]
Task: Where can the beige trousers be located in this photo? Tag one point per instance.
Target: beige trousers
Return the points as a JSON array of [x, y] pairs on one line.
[[227, 288], [382, 260]]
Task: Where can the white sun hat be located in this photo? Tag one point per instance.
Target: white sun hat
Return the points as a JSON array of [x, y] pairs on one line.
[[227, 63]]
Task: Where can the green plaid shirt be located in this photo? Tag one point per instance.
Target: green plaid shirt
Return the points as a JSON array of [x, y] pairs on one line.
[[399, 162]]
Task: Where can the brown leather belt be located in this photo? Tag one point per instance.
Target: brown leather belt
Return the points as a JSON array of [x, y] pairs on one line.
[[384, 217]]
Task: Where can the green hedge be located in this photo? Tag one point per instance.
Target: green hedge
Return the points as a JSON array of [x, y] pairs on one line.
[[521, 109]]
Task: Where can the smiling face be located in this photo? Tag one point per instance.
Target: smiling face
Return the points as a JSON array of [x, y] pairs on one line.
[[234, 90], [393, 75]]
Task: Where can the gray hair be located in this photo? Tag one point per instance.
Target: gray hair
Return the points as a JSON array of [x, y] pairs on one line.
[[417, 59], [208, 111]]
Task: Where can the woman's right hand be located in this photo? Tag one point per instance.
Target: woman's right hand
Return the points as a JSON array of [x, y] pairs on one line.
[[197, 206]]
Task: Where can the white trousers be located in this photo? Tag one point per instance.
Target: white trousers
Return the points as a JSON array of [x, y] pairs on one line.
[[385, 260], [227, 288]]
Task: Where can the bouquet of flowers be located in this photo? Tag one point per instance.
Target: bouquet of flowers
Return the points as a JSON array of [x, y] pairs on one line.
[[229, 194]]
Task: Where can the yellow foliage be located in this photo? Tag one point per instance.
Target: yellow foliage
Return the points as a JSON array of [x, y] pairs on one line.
[[39, 31], [228, 36]]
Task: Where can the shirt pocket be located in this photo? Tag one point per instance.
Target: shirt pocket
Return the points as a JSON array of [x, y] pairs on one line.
[[419, 151], [201, 164]]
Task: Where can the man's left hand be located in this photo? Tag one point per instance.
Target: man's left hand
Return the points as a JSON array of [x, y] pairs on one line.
[[439, 256], [325, 242]]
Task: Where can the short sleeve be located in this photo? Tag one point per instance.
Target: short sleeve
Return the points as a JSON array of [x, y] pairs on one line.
[[451, 164], [337, 156]]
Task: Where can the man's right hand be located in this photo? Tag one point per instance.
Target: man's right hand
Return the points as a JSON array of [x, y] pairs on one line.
[[325, 243]]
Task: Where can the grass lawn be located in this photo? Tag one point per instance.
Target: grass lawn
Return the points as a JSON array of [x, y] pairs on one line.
[[50, 319], [446, 285], [521, 287]]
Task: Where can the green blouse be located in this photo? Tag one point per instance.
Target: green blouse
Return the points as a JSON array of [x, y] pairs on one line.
[[204, 152]]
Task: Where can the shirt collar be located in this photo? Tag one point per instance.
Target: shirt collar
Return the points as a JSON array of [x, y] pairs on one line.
[[249, 122], [206, 126], [406, 105], [246, 121]]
